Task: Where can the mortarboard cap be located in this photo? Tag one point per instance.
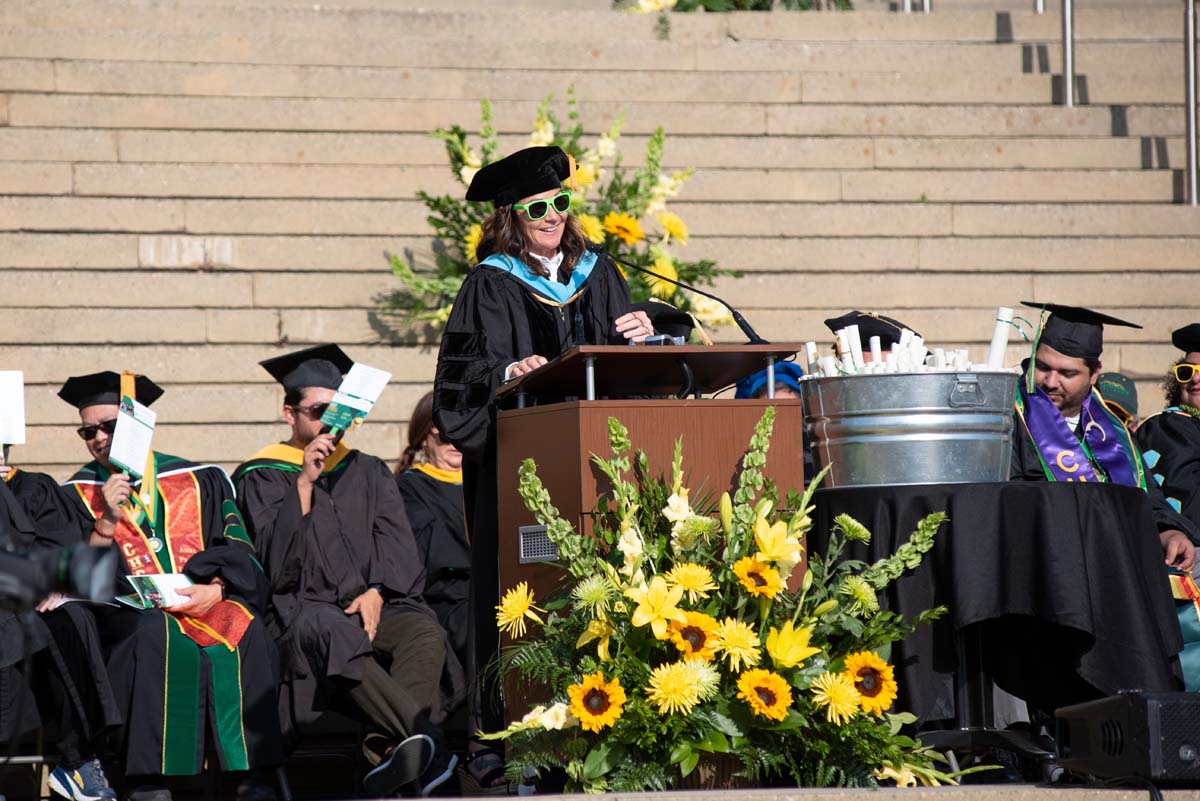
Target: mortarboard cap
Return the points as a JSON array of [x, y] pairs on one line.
[[667, 319], [1075, 331], [786, 373], [519, 175], [1118, 390], [318, 366], [870, 325], [1187, 339], [96, 389]]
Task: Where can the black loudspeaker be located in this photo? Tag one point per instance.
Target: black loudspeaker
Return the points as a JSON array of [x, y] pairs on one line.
[[1155, 736]]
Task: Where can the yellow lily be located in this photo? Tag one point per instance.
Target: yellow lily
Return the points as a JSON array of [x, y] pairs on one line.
[[775, 545], [601, 630], [657, 605], [789, 646]]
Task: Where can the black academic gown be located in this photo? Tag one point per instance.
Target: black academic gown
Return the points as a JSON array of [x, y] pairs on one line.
[[1170, 444], [173, 690], [498, 319], [355, 536], [22, 635], [434, 506], [70, 677], [1026, 466]]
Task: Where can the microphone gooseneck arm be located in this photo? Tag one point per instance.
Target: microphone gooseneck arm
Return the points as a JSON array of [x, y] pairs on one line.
[[749, 331]]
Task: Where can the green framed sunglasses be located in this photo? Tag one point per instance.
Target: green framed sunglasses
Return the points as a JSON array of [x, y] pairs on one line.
[[537, 209]]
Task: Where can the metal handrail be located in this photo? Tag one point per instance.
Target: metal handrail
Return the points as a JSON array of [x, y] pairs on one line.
[[1189, 65]]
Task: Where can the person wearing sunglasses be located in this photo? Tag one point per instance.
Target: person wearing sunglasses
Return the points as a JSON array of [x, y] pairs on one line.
[[1170, 440], [539, 289], [347, 580], [178, 517]]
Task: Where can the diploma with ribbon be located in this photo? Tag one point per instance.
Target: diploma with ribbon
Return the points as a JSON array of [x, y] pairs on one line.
[[357, 395]]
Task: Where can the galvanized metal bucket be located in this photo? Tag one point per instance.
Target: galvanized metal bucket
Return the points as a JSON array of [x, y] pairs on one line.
[[915, 428]]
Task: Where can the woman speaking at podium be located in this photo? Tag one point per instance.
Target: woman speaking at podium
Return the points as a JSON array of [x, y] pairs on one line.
[[537, 291]]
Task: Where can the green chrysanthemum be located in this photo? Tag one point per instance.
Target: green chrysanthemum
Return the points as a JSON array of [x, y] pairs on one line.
[[708, 678], [860, 595], [853, 529], [688, 532], [593, 594]]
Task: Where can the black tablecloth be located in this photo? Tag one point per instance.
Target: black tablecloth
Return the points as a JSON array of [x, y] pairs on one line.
[[1066, 582]]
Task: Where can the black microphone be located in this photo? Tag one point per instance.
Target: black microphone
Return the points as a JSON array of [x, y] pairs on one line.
[[750, 333]]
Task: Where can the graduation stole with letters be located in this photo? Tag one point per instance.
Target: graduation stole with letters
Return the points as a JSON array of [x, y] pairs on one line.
[[159, 530], [1107, 452]]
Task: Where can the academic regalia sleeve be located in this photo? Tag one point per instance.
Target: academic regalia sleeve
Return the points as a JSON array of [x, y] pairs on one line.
[[607, 280], [420, 516], [57, 522], [228, 553], [396, 563], [478, 345], [271, 508], [1170, 445]]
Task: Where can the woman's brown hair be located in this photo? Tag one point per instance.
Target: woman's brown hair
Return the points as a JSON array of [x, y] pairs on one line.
[[419, 427], [503, 233]]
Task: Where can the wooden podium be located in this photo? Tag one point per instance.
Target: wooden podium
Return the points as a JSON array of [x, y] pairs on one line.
[[629, 383]]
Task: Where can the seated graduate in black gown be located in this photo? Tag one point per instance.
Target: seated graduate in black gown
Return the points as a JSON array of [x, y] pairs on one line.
[[538, 291], [347, 580], [206, 665], [1064, 432], [68, 676], [430, 480], [1170, 440]]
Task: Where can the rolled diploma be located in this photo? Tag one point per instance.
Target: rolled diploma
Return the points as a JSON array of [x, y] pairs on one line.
[[828, 365], [964, 359], [906, 337], [810, 351], [843, 342], [995, 357], [855, 345], [876, 350], [848, 363]]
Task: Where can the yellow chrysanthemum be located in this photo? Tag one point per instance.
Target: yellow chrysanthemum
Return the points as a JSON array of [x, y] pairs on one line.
[[514, 607], [627, 228], [836, 693], [673, 227], [757, 577], [767, 693], [697, 636], [739, 643], [471, 242], [874, 680], [595, 702], [662, 287], [696, 580], [775, 545], [789, 646], [657, 605], [674, 689], [592, 228]]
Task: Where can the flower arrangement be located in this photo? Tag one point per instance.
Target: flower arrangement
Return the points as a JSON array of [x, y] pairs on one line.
[[677, 642], [624, 210]]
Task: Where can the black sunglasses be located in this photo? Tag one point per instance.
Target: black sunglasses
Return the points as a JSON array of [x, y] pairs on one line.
[[314, 411], [88, 433]]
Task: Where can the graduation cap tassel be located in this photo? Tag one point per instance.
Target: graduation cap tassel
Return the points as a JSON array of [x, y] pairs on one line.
[[573, 179]]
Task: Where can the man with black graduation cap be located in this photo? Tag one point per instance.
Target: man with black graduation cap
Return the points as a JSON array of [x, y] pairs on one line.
[[210, 657], [1170, 440], [1064, 431], [347, 582], [540, 289]]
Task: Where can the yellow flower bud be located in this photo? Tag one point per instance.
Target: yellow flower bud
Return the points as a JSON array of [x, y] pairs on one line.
[[726, 513], [808, 580], [826, 607], [763, 507]]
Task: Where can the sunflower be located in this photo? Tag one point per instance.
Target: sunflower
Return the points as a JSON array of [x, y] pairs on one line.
[[471, 242], [757, 577], [625, 227], [674, 689], [514, 607], [836, 692], [789, 646], [863, 600], [592, 228], [656, 605], [874, 679], [739, 642], [696, 636], [767, 693], [662, 287], [673, 227], [696, 580], [595, 702]]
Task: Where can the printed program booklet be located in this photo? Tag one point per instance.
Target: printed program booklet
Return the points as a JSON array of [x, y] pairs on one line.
[[355, 398], [156, 590], [130, 448]]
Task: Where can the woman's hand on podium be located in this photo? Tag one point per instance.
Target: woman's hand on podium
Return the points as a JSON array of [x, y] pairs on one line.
[[526, 365]]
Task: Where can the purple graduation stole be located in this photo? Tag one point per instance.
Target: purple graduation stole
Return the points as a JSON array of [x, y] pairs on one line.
[[1106, 443]]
